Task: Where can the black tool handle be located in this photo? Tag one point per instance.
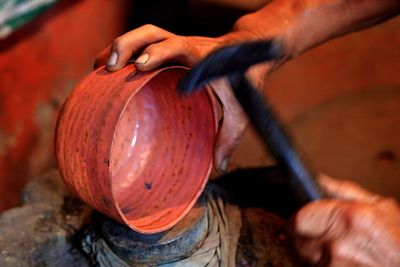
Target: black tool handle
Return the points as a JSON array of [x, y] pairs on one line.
[[276, 139]]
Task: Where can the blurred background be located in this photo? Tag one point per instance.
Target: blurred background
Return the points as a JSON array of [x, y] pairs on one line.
[[341, 101]]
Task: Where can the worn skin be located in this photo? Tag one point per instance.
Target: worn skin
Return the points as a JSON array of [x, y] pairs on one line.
[[356, 228]]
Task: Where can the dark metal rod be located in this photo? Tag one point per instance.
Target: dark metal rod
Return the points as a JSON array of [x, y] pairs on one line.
[[275, 137]]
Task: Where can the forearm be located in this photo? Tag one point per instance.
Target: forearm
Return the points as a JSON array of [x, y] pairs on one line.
[[303, 24]]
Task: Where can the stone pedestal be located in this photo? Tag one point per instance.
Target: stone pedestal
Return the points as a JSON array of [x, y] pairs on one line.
[[52, 228]]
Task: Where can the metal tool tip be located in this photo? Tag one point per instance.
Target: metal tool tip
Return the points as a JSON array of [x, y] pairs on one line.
[[228, 60]]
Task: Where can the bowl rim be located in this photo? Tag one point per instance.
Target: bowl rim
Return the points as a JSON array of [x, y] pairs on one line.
[[199, 191]]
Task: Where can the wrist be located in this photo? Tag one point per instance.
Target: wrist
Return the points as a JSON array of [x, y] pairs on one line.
[[276, 21]]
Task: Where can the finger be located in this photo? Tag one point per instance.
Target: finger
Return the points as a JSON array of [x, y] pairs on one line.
[[352, 250], [345, 190], [309, 249], [325, 219], [358, 250], [125, 46], [233, 125], [257, 74], [235, 120], [170, 50], [102, 57]]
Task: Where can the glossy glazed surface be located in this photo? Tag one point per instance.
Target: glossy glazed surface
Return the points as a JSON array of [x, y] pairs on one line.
[[131, 147]]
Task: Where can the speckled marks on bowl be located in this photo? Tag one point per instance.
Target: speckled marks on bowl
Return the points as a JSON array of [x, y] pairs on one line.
[[133, 148]]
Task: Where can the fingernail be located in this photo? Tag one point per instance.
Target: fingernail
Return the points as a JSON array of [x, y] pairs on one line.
[[142, 59], [224, 165], [112, 59]]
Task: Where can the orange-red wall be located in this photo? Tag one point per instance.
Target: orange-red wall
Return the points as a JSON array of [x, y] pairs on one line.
[[39, 65], [367, 60]]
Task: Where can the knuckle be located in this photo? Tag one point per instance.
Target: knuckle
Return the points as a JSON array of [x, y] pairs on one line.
[[154, 49], [337, 251], [118, 44], [337, 219], [347, 184], [188, 53], [173, 48], [149, 27], [361, 216]]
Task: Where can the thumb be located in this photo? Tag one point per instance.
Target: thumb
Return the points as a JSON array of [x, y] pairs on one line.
[[231, 130], [325, 219], [345, 190]]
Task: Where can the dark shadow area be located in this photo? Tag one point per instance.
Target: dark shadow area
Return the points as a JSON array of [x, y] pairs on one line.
[[263, 187], [185, 18]]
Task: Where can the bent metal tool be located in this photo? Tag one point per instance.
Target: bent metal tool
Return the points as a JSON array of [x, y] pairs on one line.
[[232, 62]]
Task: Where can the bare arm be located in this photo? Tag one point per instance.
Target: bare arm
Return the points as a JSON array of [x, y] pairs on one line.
[[301, 25]]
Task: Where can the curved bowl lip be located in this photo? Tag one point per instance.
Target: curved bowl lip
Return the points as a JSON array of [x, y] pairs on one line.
[[151, 75]]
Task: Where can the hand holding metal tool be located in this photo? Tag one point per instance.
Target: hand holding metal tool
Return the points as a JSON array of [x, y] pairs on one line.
[[233, 61]]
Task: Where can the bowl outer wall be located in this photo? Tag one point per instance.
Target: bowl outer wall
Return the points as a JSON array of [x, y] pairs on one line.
[[85, 131]]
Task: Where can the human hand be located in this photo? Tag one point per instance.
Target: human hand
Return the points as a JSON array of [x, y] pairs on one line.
[[157, 46], [355, 228]]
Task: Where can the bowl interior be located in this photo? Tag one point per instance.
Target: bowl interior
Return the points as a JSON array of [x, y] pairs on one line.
[[161, 153]]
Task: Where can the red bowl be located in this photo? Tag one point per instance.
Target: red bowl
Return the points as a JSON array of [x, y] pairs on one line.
[[129, 145]]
